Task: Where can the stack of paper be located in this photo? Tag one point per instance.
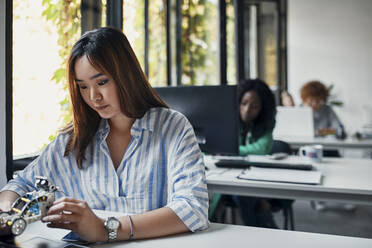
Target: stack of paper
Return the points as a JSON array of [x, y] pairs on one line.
[[281, 175]]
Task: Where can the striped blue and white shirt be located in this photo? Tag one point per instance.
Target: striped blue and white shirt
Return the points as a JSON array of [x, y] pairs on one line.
[[162, 166]]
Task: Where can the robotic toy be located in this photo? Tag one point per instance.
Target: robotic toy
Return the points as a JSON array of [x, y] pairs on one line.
[[30, 207]]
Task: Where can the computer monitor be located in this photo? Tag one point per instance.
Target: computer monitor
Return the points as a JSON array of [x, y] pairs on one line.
[[294, 122], [213, 113]]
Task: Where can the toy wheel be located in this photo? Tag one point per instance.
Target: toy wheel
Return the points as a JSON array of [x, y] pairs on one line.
[[18, 226]]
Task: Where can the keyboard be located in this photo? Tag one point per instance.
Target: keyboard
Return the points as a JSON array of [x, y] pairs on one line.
[[243, 164]]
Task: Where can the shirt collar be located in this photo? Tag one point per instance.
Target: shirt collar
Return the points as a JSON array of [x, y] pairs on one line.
[[103, 129], [147, 122]]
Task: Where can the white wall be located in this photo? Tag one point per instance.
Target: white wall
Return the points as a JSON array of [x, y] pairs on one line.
[[2, 95], [331, 41]]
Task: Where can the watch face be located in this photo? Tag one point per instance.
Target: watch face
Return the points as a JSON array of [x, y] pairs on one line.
[[113, 223]]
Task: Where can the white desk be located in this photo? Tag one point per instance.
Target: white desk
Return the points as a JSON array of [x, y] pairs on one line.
[[327, 142], [344, 180], [221, 235]]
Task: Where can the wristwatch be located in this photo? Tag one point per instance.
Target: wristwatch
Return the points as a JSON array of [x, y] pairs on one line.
[[112, 225]]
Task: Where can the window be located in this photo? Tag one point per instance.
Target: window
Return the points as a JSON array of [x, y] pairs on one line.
[[268, 51], [157, 43], [262, 41], [188, 42], [39, 87], [230, 42], [199, 43], [133, 27]]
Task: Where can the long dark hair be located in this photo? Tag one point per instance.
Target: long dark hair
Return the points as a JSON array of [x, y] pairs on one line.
[[265, 121], [110, 53]]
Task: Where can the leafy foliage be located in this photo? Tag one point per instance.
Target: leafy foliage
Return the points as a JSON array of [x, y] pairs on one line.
[[65, 14], [198, 41], [332, 100], [197, 36]]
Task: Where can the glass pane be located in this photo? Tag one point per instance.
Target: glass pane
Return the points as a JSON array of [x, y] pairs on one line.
[[230, 42], [269, 37], [42, 40], [157, 43], [103, 12], [251, 54], [199, 42], [133, 27]]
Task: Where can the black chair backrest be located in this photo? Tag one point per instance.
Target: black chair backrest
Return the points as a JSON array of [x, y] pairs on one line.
[[281, 146]]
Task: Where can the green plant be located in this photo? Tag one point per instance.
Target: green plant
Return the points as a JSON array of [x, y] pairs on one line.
[[65, 14], [332, 99], [196, 37]]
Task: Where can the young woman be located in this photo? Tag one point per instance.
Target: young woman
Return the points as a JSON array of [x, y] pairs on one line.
[[257, 117], [257, 120], [125, 151]]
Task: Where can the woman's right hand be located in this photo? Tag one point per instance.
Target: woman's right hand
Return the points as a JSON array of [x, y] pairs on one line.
[[4, 229], [6, 200]]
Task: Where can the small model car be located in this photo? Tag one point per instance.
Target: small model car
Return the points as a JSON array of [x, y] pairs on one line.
[[30, 207]]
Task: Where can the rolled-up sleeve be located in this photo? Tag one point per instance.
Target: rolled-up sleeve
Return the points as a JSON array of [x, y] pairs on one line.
[[23, 182], [42, 166], [188, 195]]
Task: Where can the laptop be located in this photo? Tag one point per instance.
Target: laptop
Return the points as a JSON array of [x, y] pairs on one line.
[[294, 122]]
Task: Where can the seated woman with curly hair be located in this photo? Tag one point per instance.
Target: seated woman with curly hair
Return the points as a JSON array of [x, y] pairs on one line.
[[315, 95], [257, 120]]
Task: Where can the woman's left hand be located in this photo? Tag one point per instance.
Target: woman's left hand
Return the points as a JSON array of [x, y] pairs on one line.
[[77, 216]]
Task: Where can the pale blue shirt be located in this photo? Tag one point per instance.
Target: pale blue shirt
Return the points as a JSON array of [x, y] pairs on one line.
[[162, 166]]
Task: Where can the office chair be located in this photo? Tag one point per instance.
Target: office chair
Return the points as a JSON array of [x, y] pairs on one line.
[[225, 212], [283, 204], [281, 146], [226, 203]]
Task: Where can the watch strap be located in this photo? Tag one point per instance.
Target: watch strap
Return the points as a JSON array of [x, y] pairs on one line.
[[112, 235], [112, 232]]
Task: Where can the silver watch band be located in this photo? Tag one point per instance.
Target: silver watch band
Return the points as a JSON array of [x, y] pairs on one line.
[[112, 235], [112, 225]]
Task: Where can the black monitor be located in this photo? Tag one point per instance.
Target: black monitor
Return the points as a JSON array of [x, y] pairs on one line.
[[213, 113]]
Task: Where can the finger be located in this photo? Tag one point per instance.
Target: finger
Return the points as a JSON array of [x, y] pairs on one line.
[[67, 199], [65, 206], [61, 218]]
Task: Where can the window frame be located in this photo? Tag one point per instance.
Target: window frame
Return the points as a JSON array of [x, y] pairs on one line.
[[9, 88], [281, 42], [114, 17]]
